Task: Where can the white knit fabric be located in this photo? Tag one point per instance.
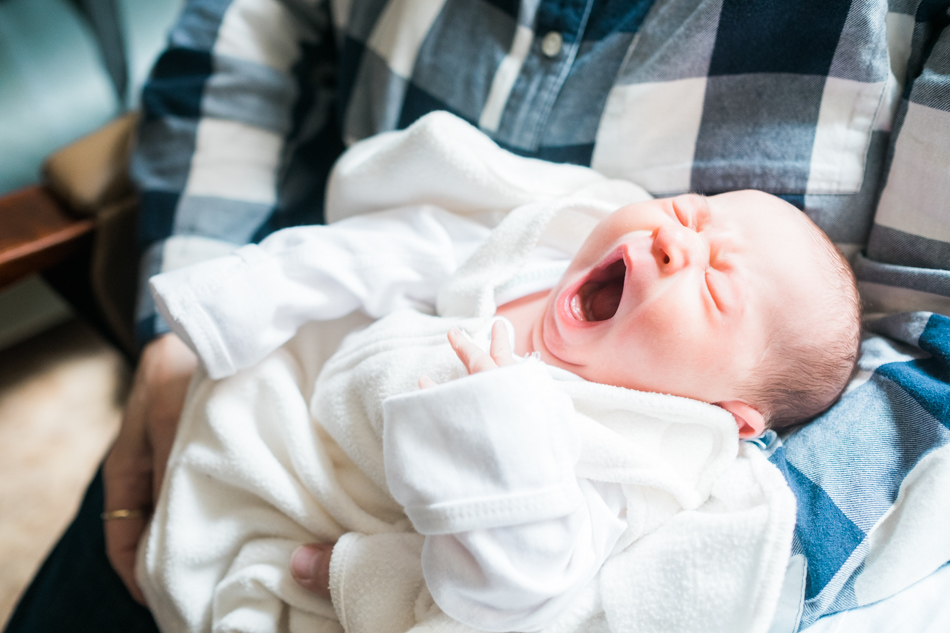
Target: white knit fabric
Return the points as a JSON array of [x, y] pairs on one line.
[[291, 450]]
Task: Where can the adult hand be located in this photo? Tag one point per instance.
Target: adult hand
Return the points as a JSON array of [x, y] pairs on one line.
[[310, 567], [135, 466]]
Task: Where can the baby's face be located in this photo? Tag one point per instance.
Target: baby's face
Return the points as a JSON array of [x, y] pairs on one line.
[[680, 295]]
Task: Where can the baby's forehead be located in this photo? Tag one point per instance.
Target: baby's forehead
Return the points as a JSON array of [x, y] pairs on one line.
[[750, 203], [801, 282]]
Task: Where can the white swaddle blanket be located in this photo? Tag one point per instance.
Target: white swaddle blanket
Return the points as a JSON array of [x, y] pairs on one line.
[[290, 451]]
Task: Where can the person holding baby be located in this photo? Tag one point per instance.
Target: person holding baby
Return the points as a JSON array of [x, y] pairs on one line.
[[254, 100], [702, 298]]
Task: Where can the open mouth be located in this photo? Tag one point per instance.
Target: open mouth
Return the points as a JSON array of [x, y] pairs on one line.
[[599, 297]]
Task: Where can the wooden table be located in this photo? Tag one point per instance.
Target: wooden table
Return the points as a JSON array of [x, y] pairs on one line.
[[37, 233]]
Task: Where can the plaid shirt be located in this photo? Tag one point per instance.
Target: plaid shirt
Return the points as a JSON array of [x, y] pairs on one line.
[[842, 108], [254, 99]]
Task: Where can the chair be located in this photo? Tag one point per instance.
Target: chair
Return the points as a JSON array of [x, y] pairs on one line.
[[68, 67], [78, 230]]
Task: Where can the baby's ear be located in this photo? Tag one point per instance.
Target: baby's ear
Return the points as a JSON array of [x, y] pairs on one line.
[[751, 423]]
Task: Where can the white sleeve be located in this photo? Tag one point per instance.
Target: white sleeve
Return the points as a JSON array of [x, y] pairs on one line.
[[484, 467], [234, 310]]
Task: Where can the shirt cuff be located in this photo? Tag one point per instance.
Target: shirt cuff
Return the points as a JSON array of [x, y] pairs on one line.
[[492, 449]]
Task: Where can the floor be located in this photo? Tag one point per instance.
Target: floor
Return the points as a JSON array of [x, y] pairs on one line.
[[61, 394]]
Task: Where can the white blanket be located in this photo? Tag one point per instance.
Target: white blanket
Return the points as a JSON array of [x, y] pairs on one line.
[[282, 454]]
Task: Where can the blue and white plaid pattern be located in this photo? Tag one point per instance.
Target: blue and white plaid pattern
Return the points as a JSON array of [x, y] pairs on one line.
[[842, 107], [871, 475]]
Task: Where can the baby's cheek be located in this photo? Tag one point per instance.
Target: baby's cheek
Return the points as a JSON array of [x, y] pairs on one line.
[[663, 342], [680, 352], [669, 325]]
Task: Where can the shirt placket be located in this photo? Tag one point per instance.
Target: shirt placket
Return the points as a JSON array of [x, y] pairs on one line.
[[558, 31]]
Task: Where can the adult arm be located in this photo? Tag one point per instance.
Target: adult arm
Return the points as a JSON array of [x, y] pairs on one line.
[[258, 297], [227, 114], [908, 253], [135, 466], [217, 129]]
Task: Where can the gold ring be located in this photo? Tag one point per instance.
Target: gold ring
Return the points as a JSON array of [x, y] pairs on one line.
[[108, 515]]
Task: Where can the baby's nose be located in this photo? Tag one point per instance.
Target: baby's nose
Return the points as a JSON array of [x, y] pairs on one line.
[[676, 247]]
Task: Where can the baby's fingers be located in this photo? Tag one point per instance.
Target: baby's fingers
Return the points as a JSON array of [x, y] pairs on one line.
[[472, 356], [426, 383], [500, 348]]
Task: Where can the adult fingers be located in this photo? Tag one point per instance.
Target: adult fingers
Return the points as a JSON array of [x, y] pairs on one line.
[[127, 482], [310, 567], [133, 470], [500, 348], [472, 356], [122, 537]]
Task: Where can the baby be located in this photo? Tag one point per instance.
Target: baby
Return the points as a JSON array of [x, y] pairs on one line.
[[737, 300]]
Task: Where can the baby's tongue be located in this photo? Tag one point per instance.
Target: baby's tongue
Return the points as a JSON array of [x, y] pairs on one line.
[[602, 302]]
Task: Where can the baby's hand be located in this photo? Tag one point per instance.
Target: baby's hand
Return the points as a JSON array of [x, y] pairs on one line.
[[476, 360], [473, 357]]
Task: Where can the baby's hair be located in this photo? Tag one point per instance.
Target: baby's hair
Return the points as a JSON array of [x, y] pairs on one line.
[[802, 376]]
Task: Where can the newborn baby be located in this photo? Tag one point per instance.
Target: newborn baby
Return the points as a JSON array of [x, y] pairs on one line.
[[736, 300]]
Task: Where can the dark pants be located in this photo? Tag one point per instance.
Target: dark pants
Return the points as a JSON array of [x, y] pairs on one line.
[[76, 589]]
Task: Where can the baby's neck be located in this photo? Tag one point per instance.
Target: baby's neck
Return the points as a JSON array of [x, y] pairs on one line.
[[525, 314]]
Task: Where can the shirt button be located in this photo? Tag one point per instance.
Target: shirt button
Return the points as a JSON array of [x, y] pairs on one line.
[[551, 44]]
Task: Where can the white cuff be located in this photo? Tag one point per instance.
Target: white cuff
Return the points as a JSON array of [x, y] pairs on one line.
[[489, 450]]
